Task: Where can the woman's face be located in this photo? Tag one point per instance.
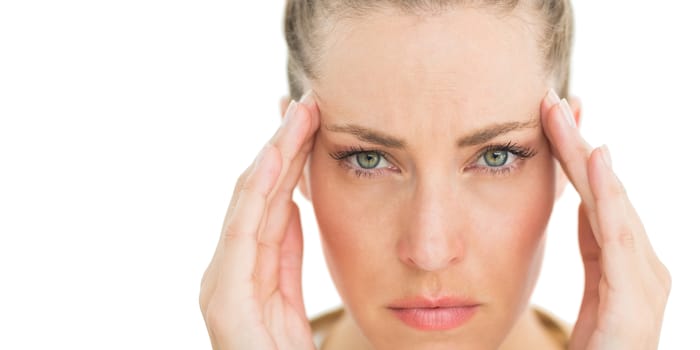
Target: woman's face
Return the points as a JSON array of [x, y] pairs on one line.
[[431, 178]]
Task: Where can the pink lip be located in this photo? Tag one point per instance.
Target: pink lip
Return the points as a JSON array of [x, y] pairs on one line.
[[434, 314]]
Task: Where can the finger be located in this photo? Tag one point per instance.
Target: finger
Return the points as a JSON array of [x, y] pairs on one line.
[[590, 254], [277, 216], [239, 238], [569, 147], [284, 138], [307, 109], [290, 262], [234, 197], [211, 274], [278, 219], [548, 102], [280, 207], [622, 235], [629, 263], [294, 150]]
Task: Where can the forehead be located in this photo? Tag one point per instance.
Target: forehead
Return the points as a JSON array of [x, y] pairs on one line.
[[464, 64]]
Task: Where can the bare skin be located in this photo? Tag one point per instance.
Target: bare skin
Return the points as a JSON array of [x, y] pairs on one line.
[[626, 286], [253, 302], [251, 292]]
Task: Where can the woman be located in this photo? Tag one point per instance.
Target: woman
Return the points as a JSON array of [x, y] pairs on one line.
[[432, 143]]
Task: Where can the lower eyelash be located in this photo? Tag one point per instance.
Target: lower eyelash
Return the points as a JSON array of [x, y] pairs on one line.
[[503, 171], [368, 174], [522, 154], [342, 158], [359, 172]]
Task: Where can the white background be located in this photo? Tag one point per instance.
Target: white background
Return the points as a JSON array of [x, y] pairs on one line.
[[124, 125]]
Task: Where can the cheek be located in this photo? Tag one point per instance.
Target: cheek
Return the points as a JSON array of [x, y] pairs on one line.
[[512, 222], [501, 220], [354, 221]]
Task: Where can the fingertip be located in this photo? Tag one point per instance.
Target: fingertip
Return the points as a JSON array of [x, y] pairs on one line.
[[565, 109], [550, 100], [309, 101], [311, 106], [600, 157]]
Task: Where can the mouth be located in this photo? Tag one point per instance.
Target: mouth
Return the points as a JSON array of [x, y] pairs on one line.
[[439, 314]]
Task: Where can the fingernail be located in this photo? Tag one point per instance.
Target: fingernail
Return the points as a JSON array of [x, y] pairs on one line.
[[306, 98], [606, 156], [566, 109], [289, 115], [552, 97]]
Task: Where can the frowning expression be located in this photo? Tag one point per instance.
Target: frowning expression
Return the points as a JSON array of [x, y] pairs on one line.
[[431, 178]]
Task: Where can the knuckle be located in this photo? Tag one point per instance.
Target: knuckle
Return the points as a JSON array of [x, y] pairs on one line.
[[203, 301], [242, 178], [206, 290], [666, 280], [204, 279], [250, 189], [247, 186], [215, 316], [624, 237], [214, 319], [230, 234]]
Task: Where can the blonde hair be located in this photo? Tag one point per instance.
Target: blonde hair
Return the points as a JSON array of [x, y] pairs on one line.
[[307, 21]]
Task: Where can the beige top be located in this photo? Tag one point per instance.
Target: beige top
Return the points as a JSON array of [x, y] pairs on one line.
[[324, 324]]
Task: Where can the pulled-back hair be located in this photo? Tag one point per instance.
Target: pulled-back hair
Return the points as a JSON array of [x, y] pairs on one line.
[[306, 22]]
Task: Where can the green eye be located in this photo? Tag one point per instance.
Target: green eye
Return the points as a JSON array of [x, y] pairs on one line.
[[496, 158], [368, 160]]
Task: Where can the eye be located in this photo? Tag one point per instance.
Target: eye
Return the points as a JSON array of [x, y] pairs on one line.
[[368, 160], [364, 163], [497, 158], [502, 159]]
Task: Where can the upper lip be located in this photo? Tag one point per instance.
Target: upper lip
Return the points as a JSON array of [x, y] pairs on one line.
[[422, 302]]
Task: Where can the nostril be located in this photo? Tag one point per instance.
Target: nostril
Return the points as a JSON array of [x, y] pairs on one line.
[[431, 262], [428, 256]]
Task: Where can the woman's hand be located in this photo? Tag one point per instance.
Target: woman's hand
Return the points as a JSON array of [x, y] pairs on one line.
[[250, 294], [626, 286]]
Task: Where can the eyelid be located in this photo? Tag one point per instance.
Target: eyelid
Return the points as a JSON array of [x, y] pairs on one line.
[[354, 150], [382, 159], [344, 158], [521, 152]]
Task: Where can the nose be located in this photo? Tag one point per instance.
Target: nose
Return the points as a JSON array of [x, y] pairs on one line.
[[433, 237]]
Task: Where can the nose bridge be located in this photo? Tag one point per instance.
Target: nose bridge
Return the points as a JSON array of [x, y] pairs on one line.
[[432, 239]]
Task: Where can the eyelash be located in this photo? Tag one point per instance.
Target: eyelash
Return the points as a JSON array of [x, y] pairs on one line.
[[521, 152], [343, 156]]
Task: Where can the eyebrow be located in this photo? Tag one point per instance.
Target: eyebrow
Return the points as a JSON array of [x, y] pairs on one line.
[[477, 137], [492, 131], [368, 135]]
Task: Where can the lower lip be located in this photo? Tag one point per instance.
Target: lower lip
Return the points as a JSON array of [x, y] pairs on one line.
[[435, 319]]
